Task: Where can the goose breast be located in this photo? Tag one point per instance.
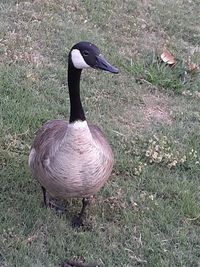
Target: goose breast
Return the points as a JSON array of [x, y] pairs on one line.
[[71, 160]]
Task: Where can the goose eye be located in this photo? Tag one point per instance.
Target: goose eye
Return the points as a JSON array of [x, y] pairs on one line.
[[85, 53]]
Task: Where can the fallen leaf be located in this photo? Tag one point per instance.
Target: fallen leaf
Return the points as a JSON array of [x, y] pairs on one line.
[[192, 66], [167, 57]]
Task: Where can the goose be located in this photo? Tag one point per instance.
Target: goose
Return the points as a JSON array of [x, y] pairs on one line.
[[73, 159]]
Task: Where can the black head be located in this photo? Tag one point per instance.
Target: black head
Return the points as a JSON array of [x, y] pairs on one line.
[[85, 54]]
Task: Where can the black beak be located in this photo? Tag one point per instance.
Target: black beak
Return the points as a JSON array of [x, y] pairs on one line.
[[102, 64]]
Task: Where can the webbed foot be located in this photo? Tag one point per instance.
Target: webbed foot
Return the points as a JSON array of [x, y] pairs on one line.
[[77, 222], [59, 209]]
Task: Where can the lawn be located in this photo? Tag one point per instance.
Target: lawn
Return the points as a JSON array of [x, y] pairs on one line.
[[148, 213]]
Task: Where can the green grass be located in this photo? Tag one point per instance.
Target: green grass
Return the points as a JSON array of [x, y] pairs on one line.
[[148, 214]]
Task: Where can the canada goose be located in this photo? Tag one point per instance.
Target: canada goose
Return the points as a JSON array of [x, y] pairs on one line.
[[73, 159]]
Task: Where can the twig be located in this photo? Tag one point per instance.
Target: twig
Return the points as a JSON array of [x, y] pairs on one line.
[[118, 133], [193, 219]]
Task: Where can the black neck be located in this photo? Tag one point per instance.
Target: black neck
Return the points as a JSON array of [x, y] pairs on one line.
[[76, 109]]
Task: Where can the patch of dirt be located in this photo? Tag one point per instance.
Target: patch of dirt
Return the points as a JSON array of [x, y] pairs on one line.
[[17, 47], [156, 108], [150, 107]]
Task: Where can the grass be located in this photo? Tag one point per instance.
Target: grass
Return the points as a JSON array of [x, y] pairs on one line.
[[148, 214]]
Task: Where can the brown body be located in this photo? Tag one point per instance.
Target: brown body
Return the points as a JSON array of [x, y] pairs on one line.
[[70, 159]]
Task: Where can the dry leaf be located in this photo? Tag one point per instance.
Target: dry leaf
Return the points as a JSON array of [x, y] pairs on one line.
[[167, 57], [192, 67]]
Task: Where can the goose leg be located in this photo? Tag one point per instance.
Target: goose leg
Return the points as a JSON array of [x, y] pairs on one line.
[[85, 202], [49, 204], [77, 220], [44, 196]]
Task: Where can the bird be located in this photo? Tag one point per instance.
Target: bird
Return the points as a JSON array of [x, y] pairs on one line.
[[72, 158]]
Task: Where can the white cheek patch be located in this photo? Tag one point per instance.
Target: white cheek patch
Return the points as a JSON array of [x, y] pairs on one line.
[[77, 60]]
